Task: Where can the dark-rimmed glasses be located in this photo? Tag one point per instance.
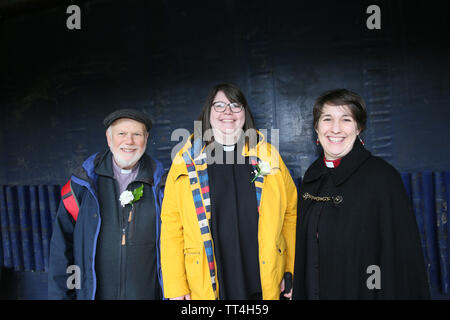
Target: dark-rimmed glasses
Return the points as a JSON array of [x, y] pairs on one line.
[[220, 106]]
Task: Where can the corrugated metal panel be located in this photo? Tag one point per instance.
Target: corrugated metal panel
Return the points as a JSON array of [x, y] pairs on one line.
[[429, 195], [26, 215], [27, 212]]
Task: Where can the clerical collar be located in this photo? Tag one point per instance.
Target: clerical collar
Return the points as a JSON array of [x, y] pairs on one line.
[[229, 147], [225, 147], [332, 163], [125, 171]]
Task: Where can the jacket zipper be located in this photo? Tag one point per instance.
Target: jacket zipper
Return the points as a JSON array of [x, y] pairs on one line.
[[131, 223], [122, 276], [123, 260], [123, 247], [123, 237]]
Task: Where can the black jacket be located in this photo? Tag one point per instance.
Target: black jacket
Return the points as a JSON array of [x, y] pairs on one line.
[[126, 259], [366, 221]]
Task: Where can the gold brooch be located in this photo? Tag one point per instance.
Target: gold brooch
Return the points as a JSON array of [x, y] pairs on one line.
[[307, 196], [336, 199]]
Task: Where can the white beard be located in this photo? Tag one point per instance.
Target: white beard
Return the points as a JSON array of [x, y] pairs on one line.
[[124, 163]]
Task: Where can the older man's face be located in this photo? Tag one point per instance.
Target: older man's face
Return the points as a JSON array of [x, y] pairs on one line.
[[127, 140]]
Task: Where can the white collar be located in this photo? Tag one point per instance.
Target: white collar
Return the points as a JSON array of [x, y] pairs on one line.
[[229, 148], [329, 164]]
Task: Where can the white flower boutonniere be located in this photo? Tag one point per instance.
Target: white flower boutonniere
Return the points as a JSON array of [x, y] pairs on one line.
[[130, 197], [262, 169]]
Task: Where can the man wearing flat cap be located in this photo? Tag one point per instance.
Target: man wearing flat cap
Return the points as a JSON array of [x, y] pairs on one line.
[[105, 242]]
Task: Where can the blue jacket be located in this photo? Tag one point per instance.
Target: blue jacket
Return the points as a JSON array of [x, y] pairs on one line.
[[73, 242]]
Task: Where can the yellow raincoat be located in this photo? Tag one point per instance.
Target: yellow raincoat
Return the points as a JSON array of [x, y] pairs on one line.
[[184, 262]]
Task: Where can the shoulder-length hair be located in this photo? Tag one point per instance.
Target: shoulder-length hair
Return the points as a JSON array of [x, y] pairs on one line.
[[234, 94]]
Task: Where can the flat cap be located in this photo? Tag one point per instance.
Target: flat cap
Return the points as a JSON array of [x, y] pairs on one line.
[[130, 114]]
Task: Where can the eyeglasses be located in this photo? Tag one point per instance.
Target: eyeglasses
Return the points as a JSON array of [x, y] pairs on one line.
[[222, 106]]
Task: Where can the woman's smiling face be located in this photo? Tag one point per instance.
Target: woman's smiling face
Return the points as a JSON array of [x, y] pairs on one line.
[[226, 124], [337, 131]]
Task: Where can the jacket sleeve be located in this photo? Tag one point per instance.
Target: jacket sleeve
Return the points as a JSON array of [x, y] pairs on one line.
[[162, 186], [290, 217], [61, 256], [402, 269], [172, 243]]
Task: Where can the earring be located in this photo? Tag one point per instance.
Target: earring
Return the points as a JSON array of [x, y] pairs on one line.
[[317, 142], [361, 140]]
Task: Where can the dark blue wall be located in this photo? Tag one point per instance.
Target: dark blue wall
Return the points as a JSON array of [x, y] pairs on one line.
[[57, 85], [163, 56]]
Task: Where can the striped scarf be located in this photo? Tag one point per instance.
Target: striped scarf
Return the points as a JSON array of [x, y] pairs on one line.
[[195, 160]]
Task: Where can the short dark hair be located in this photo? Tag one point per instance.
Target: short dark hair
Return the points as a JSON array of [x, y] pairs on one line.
[[342, 97], [234, 94]]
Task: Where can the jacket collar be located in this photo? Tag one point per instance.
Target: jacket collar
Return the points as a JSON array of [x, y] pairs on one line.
[[196, 151], [349, 164], [104, 167], [195, 148]]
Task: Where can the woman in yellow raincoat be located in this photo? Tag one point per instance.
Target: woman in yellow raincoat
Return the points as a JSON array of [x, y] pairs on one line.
[[229, 210]]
